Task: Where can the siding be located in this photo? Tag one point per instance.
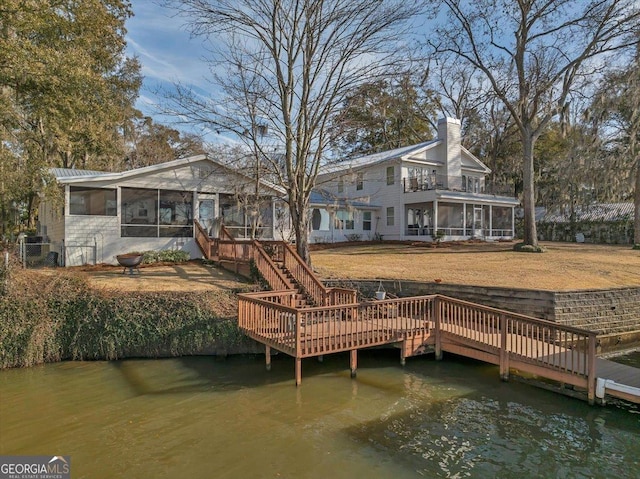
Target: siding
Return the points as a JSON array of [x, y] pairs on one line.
[[97, 239]]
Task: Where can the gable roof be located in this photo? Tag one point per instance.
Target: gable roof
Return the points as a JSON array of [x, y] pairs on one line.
[[379, 157], [72, 175], [401, 153]]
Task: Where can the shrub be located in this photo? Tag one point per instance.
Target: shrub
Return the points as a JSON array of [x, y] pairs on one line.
[[165, 256], [46, 317], [527, 248], [353, 237]]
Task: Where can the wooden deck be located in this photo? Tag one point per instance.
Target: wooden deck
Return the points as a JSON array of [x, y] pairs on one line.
[[510, 340], [331, 321]]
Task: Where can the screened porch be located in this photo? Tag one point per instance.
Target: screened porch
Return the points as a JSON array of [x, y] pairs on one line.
[[452, 221]]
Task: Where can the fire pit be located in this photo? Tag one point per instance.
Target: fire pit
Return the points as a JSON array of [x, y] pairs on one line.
[[131, 261]]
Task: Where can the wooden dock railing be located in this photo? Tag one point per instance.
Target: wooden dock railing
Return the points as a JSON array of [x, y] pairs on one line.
[[330, 329], [510, 340], [541, 347]]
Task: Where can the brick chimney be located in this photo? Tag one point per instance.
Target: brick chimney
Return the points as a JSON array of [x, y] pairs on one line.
[[449, 133]]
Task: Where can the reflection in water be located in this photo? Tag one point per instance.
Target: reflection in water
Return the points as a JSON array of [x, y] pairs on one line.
[[205, 417]]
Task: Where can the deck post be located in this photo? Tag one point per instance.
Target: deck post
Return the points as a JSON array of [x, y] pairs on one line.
[[298, 371], [354, 362], [267, 357], [591, 377], [504, 354], [436, 314], [321, 358]]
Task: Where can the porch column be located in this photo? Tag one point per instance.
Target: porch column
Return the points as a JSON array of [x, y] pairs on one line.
[[273, 218], [464, 219], [435, 218], [513, 222], [491, 220]]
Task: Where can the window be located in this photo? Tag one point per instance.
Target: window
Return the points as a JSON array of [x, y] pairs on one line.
[[340, 185], [391, 216], [390, 175], [359, 181], [344, 220], [320, 219], [156, 213], [366, 221], [92, 201], [175, 213]]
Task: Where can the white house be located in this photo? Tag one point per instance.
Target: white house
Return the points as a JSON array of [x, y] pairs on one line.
[[101, 215], [422, 192]]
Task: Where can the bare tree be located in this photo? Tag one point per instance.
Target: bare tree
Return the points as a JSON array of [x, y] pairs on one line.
[[533, 54], [290, 64], [616, 113]]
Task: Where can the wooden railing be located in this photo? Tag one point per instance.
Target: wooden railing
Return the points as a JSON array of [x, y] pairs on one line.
[[304, 276], [226, 248], [225, 234], [548, 349], [329, 329], [208, 246], [566, 353], [274, 324], [270, 272]]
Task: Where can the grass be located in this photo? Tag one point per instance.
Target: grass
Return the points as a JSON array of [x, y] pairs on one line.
[[565, 266]]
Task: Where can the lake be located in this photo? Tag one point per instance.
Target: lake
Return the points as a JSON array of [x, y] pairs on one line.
[[204, 417]]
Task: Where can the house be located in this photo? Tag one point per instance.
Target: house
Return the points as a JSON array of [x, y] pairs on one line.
[[432, 190], [100, 215]]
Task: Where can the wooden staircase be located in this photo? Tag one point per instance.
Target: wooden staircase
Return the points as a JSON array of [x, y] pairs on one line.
[[277, 262]]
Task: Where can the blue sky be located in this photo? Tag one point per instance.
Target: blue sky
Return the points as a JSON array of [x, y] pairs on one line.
[[166, 52]]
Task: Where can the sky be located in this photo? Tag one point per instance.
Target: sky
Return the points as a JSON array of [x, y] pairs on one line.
[[167, 55]]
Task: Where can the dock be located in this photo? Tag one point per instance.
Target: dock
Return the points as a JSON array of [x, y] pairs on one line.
[[302, 318]]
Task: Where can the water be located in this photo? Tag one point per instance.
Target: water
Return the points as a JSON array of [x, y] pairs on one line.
[[206, 417]]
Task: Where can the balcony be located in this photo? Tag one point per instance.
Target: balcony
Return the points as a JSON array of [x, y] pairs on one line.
[[455, 183]]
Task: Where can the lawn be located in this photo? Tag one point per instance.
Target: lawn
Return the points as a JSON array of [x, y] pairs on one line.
[[565, 266]]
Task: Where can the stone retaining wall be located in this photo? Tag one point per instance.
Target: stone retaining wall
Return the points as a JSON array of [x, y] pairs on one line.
[[612, 313]]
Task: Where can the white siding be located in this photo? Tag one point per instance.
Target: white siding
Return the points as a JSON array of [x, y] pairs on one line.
[[97, 239]]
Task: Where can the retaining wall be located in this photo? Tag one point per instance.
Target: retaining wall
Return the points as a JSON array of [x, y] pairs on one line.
[[614, 314]]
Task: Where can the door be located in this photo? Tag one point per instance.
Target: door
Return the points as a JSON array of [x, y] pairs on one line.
[[207, 213], [478, 222]]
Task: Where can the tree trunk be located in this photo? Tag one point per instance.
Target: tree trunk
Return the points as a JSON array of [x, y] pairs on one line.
[[299, 217], [528, 196], [636, 206]]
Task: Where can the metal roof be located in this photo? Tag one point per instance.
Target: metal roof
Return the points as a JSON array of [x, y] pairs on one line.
[[376, 157], [594, 212], [73, 172]]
